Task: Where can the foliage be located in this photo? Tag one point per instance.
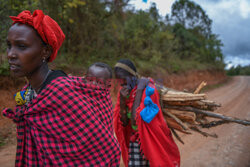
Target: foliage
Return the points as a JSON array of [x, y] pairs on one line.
[[4, 68], [192, 28], [239, 70], [107, 30], [191, 15], [1, 141]]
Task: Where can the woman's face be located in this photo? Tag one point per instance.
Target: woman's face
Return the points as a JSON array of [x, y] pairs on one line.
[[25, 50], [121, 77]]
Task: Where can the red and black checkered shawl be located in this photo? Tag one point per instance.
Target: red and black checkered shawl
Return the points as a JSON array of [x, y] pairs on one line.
[[69, 123]]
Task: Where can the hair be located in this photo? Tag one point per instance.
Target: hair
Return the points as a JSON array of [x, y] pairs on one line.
[[127, 62], [103, 65]]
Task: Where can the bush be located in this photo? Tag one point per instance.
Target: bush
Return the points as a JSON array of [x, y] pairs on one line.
[[4, 68]]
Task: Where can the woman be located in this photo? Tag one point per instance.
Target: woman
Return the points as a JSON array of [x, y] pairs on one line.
[[56, 118], [140, 127]]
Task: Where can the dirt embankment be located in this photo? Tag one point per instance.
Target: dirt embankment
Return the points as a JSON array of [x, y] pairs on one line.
[[191, 79]]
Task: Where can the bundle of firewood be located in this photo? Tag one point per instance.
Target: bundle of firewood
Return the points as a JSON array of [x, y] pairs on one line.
[[187, 112]]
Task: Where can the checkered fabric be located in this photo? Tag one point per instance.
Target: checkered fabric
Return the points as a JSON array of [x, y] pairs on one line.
[[69, 123], [135, 157]]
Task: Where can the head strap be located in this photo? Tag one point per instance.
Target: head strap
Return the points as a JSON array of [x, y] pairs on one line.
[[127, 68]]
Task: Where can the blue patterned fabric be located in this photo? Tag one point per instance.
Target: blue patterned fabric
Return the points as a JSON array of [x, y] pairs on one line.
[[151, 109]]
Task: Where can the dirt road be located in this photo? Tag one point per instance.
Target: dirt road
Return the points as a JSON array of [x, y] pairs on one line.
[[231, 149]]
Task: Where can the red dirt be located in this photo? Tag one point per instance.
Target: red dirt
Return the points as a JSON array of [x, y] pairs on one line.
[[190, 80]]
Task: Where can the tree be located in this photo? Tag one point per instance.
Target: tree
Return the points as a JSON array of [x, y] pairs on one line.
[[191, 15]]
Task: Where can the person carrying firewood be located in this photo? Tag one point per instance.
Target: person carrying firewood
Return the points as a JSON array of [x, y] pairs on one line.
[[141, 130]]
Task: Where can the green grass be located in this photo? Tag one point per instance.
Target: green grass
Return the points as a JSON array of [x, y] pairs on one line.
[[2, 143], [4, 68], [215, 86]]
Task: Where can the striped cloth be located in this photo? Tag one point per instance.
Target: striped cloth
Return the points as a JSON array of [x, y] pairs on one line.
[[136, 158]]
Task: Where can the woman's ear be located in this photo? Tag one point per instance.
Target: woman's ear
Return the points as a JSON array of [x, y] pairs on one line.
[[47, 51]]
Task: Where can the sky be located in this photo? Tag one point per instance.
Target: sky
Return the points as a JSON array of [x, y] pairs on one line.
[[231, 21]]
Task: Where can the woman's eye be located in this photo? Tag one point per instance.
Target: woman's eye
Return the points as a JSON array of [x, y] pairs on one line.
[[8, 45], [22, 47]]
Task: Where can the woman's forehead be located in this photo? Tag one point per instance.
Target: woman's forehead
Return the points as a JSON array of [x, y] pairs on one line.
[[120, 74], [22, 32]]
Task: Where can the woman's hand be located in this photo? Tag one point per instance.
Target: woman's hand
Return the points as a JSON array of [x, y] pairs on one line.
[[124, 93]]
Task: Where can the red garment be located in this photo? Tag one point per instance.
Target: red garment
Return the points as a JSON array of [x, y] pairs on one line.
[[46, 27], [67, 124], [155, 138]]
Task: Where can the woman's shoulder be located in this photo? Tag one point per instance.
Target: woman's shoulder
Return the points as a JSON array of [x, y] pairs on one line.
[[151, 83], [64, 82], [56, 79]]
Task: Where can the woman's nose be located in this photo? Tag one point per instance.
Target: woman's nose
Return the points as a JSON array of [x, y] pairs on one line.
[[11, 54]]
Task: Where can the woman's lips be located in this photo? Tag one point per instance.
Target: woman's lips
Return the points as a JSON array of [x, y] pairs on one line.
[[14, 67]]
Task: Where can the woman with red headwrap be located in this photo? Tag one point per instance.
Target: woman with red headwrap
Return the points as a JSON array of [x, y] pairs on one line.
[[56, 115]]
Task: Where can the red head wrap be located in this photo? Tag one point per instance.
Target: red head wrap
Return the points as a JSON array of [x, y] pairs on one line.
[[46, 27]]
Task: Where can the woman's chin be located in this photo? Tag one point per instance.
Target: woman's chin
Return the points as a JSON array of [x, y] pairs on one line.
[[17, 74]]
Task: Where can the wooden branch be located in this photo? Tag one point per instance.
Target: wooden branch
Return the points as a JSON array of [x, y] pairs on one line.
[[201, 104], [210, 103], [201, 119], [203, 133], [214, 123], [212, 114], [176, 135], [183, 98], [173, 124], [172, 95], [184, 116], [176, 119], [198, 89]]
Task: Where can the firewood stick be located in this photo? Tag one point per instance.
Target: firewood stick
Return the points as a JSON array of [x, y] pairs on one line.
[[212, 114], [198, 89], [176, 135], [192, 103], [210, 103], [213, 124], [203, 133], [202, 104], [184, 116], [173, 94], [176, 119], [173, 124], [183, 131], [182, 98]]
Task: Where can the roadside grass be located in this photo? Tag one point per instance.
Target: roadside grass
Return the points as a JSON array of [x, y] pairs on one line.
[[78, 64], [2, 142], [4, 65], [215, 86]]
